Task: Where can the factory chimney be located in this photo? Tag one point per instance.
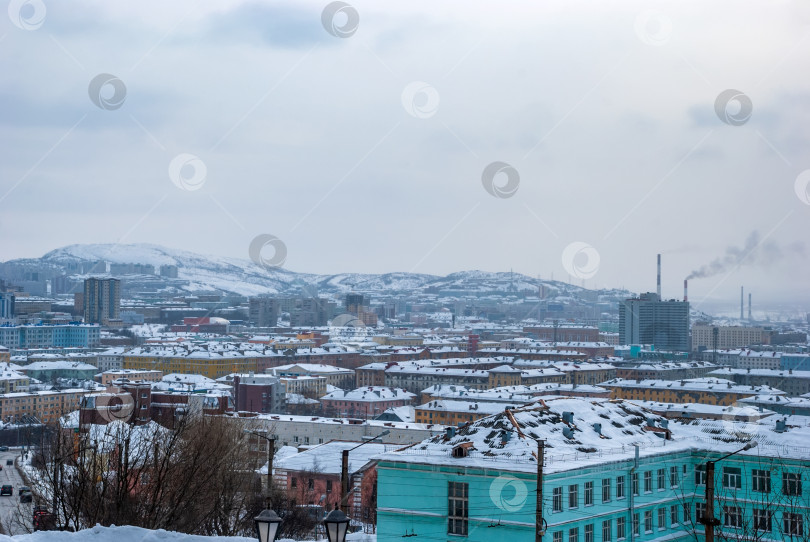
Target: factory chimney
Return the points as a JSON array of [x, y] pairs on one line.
[[658, 281], [742, 303], [685, 293], [749, 307]]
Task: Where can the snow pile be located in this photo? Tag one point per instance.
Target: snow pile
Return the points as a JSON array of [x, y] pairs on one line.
[[137, 534]]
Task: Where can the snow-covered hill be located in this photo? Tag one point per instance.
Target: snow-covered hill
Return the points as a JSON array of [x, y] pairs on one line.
[[200, 273]]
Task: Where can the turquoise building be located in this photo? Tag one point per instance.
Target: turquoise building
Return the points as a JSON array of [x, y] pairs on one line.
[[612, 472]]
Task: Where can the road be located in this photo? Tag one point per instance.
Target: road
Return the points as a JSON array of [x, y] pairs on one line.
[[14, 516]]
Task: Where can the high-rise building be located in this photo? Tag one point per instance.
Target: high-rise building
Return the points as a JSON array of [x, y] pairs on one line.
[[648, 320], [263, 311], [102, 300], [354, 303], [6, 305]]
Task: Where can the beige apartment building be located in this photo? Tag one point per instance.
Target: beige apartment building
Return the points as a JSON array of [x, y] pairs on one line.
[[727, 336]]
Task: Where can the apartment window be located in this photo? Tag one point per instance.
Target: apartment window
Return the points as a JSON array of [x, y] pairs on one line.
[[588, 493], [620, 487], [662, 476], [792, 484], [762, 519], [589, 532], [606, 490], [573, 496], [556, 499], [573, 535], [673, 514], [607, 530], [700, 475], [634, 483], [761, 480], [556, 536], [732, 478], [328, 486], [457, 494], [621, 528], [647, 481], [687, 513], [635, 525], [662, 518], [294, 483], [310, 484], [648, 526], [673, 476], [700, 511], [732, 517], [792, 524]]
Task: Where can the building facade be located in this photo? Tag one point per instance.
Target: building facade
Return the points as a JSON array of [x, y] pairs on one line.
[[649, 320]]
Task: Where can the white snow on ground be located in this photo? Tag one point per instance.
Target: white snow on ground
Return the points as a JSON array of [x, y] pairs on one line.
[[137, 534]]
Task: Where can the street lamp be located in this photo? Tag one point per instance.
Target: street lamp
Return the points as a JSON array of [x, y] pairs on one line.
[[344, 471], [708, 520], [267, 523], [336, 524]]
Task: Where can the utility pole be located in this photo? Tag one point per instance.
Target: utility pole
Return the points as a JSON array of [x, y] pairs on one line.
[[344, 482], [709, 521], [539, 531], [271, 452]]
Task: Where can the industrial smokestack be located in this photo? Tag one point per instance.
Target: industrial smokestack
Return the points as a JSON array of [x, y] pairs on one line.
[[658, 281], [685, 292], [742, 302], [749, 307]]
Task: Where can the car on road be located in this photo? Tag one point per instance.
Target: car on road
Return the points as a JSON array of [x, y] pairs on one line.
[[3, 448], [9, 461], [23, 489], [6, 490], [26, 496]]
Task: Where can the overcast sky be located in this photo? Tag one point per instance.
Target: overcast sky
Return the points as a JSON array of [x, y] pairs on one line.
[[362, 147]]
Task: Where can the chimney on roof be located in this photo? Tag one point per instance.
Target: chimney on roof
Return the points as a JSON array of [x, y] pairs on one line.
[[685, 290], [658, 277]]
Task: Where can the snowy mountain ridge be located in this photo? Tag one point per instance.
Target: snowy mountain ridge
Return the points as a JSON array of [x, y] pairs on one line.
[[200, 273]]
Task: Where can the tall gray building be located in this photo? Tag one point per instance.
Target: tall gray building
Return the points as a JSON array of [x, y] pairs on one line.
[[648, 320], [102, 300], [263, 311]]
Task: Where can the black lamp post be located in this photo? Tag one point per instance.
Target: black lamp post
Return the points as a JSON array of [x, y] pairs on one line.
[[336, 524], [267, 523], [709, 521]]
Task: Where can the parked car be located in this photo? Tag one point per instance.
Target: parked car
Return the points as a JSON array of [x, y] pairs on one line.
[[43, 520], [6, 490], [3, 448], [23, 489], [26, 497]]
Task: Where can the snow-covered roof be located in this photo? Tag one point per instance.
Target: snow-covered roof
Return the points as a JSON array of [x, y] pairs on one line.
[[370, 394], [326, 458], [579, 432], [692, 384]]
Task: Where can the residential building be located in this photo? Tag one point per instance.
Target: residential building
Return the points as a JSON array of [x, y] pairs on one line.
[[50, 371], [7, 306], [449, 412], [649, 320], [102, 300], [709, 391], [368, 402], [73, 335], [12, 381], [107, 378], [47, 406], [793, 383], [263, 311], [703, 337], [673, 370], [260, 393], [335, 376]]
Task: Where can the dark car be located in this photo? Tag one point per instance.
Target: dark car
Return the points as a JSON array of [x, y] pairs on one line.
[[9, 461], [6, 490], [3, 448], [23, 489], [26, 496], [43, 520]]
